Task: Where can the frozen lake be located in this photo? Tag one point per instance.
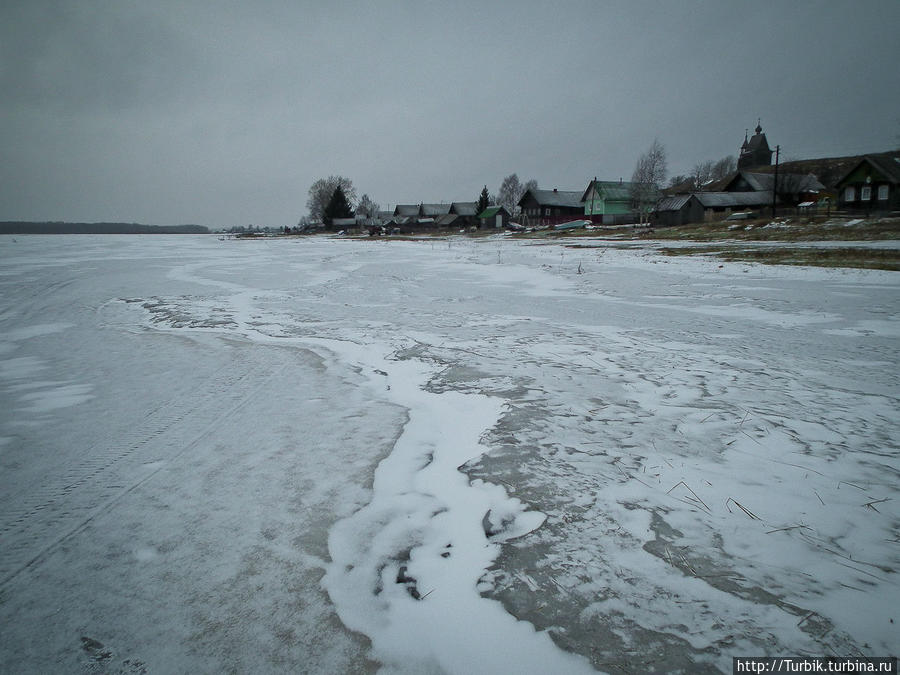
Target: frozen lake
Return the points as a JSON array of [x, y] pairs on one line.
[[321, 455]]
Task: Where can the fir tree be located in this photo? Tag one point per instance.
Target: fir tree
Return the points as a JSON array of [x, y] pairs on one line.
[[337, 207], [484, 201]]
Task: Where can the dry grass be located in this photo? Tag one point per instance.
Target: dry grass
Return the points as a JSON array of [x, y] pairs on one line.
[[724, 239], [854, 257], [785, 229]]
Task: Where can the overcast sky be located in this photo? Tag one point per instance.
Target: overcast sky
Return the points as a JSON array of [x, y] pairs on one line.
[[224, 113]]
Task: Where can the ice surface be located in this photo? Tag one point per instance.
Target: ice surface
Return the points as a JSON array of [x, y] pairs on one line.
[[325, 455]]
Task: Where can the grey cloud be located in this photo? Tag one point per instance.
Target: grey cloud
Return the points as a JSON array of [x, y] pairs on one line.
[[225, 113]]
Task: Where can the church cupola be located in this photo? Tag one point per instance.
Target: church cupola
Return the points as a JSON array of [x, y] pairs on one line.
[[755, 152]]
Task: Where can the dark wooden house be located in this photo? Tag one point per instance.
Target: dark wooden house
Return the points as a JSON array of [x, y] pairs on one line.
[[872, 185], [433, 210], [466, 212], [717, 205], [679, 210], [548, 207], [406, 210], [792, 189]]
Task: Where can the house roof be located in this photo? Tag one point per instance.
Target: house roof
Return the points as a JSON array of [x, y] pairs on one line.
[[464, 208], [673, 203], [732, 199], [568, 198], [884, 163], [616, 190], [791, 182], [434, 210], [406, 210], [492, 211], [830, 170], [446, 220]]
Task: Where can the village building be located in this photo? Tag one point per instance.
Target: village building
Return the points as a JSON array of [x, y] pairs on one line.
[[494, 217], [755, 151], [718, 205], [872, 185], [433, 210], [464, 209], [548, 207], [793, 188], [461, 215], [679, 210], [407, 218], [406, 210], [343, 223], [609, 202]]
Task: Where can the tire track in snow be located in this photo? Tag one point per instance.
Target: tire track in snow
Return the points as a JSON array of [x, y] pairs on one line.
[[63, 506]]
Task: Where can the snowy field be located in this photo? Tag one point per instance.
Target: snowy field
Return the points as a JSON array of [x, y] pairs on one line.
[[333, 456]]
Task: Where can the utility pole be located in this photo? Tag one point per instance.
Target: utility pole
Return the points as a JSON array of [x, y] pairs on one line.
[[775, 183]]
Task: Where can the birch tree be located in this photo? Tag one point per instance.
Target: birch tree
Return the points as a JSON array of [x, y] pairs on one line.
[[648, 175], [511, 191], [367, 207]]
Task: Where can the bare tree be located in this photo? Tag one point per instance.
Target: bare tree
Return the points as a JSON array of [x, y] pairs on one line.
[[648, 175], [702, 173], [510, 193], [322, 190], [679, 179], [367, 207], [724, 168]]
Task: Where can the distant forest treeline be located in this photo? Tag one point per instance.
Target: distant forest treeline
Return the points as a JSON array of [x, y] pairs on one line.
[[15, 227]]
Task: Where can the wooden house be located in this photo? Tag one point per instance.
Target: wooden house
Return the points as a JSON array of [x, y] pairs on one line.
[[792, 189], [610, 202], [494, 217], [406, 210], [718, 205], [466, 213], [433, 210], [548, 207], [872, 185], [679, 210]]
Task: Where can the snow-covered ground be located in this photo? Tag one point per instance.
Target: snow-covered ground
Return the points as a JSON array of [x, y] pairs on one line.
[[322, 455]]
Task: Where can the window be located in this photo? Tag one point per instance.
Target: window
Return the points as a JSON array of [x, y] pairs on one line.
[[850, 194], [882, 192], [865, 193], [547, 211]]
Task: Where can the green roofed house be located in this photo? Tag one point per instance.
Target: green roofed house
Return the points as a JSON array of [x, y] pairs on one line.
[[610, 200], [494, 217]]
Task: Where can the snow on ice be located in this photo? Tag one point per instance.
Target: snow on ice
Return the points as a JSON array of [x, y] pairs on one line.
[[458, 456]]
